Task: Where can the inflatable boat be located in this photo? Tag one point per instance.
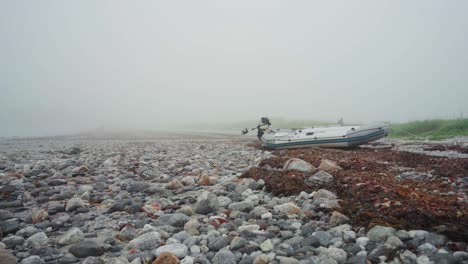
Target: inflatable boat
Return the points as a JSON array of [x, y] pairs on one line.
[[331, 136]]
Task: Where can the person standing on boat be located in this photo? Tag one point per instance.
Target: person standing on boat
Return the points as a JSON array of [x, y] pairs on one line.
[[262, 127]]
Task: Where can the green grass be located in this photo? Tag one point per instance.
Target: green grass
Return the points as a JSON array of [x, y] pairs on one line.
[[435, 129]]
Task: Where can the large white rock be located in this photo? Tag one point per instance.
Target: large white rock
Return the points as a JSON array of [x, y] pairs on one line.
[[298, 165]]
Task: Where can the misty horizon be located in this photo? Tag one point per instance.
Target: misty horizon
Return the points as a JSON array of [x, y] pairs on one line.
[[74, 67]]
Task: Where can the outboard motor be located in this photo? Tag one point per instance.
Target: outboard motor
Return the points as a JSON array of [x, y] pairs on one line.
[[262, 126]]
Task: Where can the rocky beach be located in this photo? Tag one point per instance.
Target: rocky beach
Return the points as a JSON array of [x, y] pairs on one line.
[[222, 199]]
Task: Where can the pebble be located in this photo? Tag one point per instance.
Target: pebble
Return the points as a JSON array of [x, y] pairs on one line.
[[183, 201]]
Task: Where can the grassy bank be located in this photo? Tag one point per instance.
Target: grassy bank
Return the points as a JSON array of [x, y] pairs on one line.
[[435, 129]]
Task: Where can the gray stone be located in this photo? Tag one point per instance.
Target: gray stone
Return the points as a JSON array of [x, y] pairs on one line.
[[332, 253], [37, 240], [72, 236], [13, 241], [68, 259], [415, 242], [383, 253], [224, 257], [460, 256], [92, 260], [427, 249], [175, 220], [5, 215], [380, 234], [237, 243], [322, 193], [146, 241], [298, 165], [352, 249], [208, 205], [217, 243], [32, 260], [28, 231], [9, 226], [403, 235], [137, 186], [437, 240], [408, 257], [358, 259], [287, 260], [394, 241], [320, 178], [74, 204], [308, 229], [266, 246], [179, 250], [310, 241], [443, 258], [127, 233], [244, 206], [324, 237], [86, 249]]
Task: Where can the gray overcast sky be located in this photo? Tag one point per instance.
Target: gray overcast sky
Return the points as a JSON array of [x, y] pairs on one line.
[[70, 66]]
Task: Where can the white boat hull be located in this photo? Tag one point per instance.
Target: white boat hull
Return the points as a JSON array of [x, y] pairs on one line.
[[333, 137]]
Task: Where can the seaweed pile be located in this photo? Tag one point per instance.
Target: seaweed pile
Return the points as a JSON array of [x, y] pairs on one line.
[[382, 186]]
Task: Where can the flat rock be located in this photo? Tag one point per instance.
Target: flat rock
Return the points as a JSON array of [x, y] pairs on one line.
[[86, 249]]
